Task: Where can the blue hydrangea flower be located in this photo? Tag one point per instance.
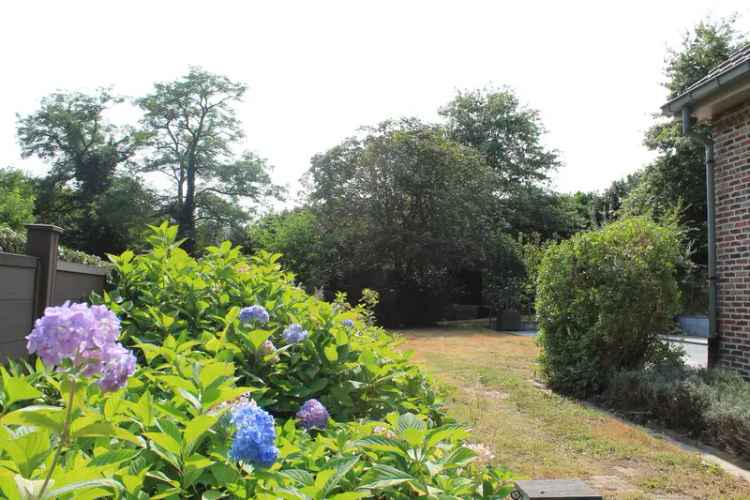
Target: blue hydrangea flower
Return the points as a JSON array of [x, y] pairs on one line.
[[348, 323], [254, 437], [254, 313], [87, 336], [313, 414], [294, 333]]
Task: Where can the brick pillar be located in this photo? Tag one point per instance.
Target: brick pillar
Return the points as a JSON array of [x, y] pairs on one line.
[[41, 242]]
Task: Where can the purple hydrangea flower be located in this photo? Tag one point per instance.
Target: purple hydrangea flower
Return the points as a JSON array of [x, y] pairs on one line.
[[294, 333], [313, 414], [254, 437], [116, 371], [348, 323], [87, 336], [254, 313]]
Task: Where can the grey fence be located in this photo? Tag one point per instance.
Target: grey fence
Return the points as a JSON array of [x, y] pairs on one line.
[[30, 283]]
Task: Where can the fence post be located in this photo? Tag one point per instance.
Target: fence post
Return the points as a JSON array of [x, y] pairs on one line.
[[41, 242]]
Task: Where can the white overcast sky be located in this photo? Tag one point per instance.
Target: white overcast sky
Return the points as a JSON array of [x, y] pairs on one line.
[[317, 70]]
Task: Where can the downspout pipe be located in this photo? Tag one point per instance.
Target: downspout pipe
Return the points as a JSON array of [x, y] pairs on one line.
[[708, 143]]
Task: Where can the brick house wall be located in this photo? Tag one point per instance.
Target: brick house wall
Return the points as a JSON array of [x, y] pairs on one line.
[[731, 131]]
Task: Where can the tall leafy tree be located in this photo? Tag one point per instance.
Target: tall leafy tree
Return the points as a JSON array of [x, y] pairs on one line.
[[406, 203], [194, 127], [70, 131], [675, 180], [509, 138], [709, 43], [507, 134], [90, 165]]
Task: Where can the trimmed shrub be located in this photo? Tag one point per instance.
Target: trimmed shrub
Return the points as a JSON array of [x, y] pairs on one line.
[[603, 297]]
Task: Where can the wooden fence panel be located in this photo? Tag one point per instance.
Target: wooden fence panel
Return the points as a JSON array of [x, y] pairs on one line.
[[18, 278], [75, 282]]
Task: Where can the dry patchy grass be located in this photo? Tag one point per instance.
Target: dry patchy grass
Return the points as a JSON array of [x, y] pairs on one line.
[[490, 382]]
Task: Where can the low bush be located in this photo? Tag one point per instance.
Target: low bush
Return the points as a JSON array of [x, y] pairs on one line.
[[235, 369], [711, 405], [603, 297], [353, 369]]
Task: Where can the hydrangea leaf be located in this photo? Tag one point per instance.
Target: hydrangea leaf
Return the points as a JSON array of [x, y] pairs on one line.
[[17, 389], [331, 353], [257, 337], [195, 430]]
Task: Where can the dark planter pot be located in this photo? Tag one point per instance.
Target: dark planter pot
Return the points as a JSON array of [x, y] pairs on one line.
[[509, 320]]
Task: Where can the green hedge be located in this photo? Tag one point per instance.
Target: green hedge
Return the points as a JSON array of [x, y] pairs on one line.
[[603, 297]]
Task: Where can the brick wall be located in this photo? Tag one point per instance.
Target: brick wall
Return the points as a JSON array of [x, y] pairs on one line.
[[732, 190]]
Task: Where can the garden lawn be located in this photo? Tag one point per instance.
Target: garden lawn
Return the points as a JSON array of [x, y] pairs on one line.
[[490, 379]]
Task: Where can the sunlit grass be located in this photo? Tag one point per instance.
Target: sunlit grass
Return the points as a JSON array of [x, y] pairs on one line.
[[490, 381]]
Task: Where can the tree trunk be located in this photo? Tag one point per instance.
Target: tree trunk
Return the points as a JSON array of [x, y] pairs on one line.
[[187, 212]]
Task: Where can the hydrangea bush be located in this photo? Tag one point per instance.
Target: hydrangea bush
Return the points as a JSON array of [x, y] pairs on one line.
[[213, 408]]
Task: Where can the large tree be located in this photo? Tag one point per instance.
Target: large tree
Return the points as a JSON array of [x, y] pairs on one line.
[[70, 131], [509, 138], [194, 128], [406, 203], [91, 161], [675, 180], [507, 134]]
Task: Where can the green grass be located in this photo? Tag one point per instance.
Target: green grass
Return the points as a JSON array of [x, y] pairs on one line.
[[490, 382]]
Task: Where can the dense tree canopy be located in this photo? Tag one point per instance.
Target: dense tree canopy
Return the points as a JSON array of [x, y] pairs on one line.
[[305, 247], [70, 131], [407, 195], [506, 134], [94, 189], [90, 182], [405, 201], [16, 198]]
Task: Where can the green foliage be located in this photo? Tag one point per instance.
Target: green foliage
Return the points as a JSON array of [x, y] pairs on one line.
[[193, 128], [505, 274], [16, 198], [167, 293], [90, 181], [12, 241], [532, 252], [676, 180], [704, 47], [603, 298], [166, 434], [506, 134], [713, 405], [405, 205], [70, 131], [306, 249]]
